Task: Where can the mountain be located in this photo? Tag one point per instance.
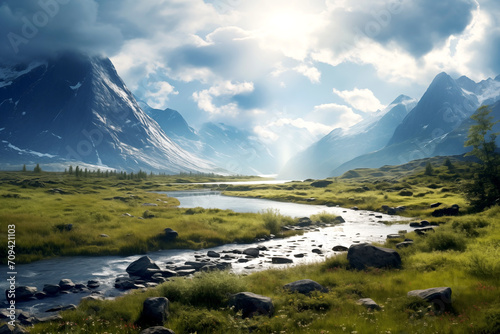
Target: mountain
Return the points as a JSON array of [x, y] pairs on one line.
[[235, 150], [438, 125], [76, 109], [342, 145]]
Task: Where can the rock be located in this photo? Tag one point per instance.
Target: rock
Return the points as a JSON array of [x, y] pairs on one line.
[[51, 289], [391, 211], [451, 211], [170, 234], [149, 204], [104, 235], [317, 251], [340, 249], [8, 329], [127, 215], [305, 286], [321, 184], [185, 272], [365, 255], [304, 222], [404, 244], [253, 252], [394, 236], [251, 304], [423, 231], [40, 295], [24, 293], [92, 284], [154, 311], [435, 205], [62, 308], [415, 224], [440, 297], [355, 208], [281, 260], [124, 283], [92, 297], [168, 273], [424, 223], [368, 303], [385, 207], [339, 220], [148, 214], [213, 254], [300, 255], [157, 330], [66, 284], [52, 318], [139, 267]]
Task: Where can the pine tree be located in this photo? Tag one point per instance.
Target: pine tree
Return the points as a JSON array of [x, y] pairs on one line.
[[484, 188], [37, 169], [428, 169], [24, 168], [70, 170]]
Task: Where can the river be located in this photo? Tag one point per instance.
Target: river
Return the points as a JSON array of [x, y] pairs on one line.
[[360, 226]]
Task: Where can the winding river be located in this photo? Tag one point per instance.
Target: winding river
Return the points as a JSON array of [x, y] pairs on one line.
[[360, 226]]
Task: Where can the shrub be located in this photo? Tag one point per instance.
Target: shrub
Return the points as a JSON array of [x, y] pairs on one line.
[[443, 241], [273, 220], [324, 217]]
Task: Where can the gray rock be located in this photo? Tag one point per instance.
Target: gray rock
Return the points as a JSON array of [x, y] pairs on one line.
[[157, 330], [281, 260], [104, 235], [251, 304], [391, 211], [440, 297], [92, 297], [92, 284], [140, 266], [66, 284], [368, 303], [340, 249], [8, 329], [25, 293], [51, 318], [365, 255], [62, 308], [154, 311], [213, 254], [168, 273], [317, 251], [305, 286], [394, 236], [170, 234], [51, 289], [185, 272], [304, 221], [149, 204], [254, 252], [339, 220], [404, 244]]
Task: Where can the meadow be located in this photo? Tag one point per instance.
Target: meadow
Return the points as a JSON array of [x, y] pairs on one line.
[[462, 254]]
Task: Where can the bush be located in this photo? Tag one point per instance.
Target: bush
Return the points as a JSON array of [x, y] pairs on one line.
[[483, 263], [443, 241], [324, 217], [273, 220]]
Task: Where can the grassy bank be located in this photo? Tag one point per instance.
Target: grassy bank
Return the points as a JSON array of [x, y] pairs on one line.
[[462, 254], [56, 214]]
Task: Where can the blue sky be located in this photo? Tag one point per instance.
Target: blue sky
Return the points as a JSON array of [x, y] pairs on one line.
[[290, 71]]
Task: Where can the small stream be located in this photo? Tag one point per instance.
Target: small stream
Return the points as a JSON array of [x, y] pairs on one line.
[[360, 226]]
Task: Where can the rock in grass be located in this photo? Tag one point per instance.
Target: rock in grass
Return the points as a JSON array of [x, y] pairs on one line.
[[251, 304], [154, 311], [139, 267], [157, 330], [170, 234], [368, 303], [340, 249], [440, 297], [404, 244], [305, 286], [365, 255]]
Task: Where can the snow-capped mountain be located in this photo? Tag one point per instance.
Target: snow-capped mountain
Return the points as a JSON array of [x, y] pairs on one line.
[[341, 145], [231, 148], [76, 109], [438, 125]]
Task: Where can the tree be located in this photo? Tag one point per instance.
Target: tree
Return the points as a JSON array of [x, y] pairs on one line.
[[24, 168], [428, 169], [449, 165], [484, 188], [70, 169], [37, 169]]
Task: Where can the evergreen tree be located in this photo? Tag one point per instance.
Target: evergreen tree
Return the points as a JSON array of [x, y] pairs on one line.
[[24, 168], [70, 170], [37, 169], [449, 165], [484, 188], [77, 171]]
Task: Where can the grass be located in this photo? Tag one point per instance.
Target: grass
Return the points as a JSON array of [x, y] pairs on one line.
[[462, 254], [72, 220]]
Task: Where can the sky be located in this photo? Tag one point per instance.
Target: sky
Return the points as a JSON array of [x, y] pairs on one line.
[[287, 71]]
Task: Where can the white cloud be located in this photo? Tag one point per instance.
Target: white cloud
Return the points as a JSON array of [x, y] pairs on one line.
[[312, 73], [157, 96], [334, 115], [360, 99], [205, 98]]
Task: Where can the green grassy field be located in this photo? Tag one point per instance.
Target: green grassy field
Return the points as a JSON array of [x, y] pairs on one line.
[[462, 254], [42, 205]]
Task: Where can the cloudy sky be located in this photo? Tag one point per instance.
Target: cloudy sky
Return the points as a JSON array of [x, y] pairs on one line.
[[275, 67]]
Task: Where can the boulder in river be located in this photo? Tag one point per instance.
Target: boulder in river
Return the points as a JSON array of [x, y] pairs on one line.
[[340, 249], [253, 252], [281, 260], [66, 284], [51, 289], [25, 293], [251, 304], [139, 267], [365, 255]]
